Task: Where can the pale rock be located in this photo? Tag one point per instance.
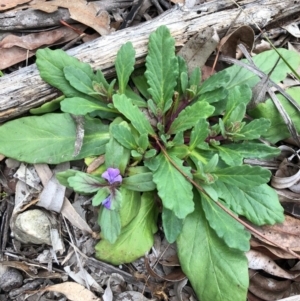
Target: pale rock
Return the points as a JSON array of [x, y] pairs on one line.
[[33, 226]]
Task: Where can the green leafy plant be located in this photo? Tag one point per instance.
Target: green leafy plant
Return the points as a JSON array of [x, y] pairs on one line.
[[173, 149]]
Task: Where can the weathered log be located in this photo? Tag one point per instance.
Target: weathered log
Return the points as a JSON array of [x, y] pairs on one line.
[[24, 89]]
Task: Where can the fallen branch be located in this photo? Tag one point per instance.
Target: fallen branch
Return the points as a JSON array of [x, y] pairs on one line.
[[24, 89]]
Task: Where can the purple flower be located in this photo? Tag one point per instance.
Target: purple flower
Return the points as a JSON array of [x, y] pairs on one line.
[[107, 202], [112, 175]]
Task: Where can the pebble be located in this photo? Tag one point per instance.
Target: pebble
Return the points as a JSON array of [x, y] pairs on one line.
[[33, 226], [10, 279]]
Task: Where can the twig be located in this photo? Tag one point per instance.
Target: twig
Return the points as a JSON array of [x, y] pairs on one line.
[[158, 7]]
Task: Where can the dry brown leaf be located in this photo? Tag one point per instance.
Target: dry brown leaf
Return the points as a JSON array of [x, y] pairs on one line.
[[242, 35], [73, 291], [82, 277], [286, 234], [7, 4], [12, 56], [271, 251], [293, 29], [286, 195], [288, 173], [95, 164], [52, 196], [47, 7], [268, 288], [207, 72], [260, 261], [175, 275], [15, 54], [81, 11], [198, 48], [34, 40], [262, 46], [75, 219], [33, 271], [287, 176]]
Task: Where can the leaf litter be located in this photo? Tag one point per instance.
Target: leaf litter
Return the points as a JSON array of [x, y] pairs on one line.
[[284, 234]]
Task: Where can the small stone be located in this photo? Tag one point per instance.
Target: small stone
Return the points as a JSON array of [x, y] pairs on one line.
[[33, 226], [10, 279]]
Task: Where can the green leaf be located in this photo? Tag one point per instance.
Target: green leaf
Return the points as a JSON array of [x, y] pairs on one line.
[[214, 82], [110, 90], [140, 81], [214, 96], [63, 176], [85, 183], [172, 225], [178, 139], [132, 112], [238, 98], [139, 182], [225, 225], [116, 200], [253, 130], [143, 141], [162, 68], [110, 223], [278, 129], [236, 115], [195, 77], [100, 79], [180, 151], [258, 204], [82, 106], [116, 155], [51, 65], [230, 157], [135, 170], [265, 62], [136, 155], [47, 107], [131, 205], [233, 154], [204, 172], [135, 239], [50, 138], [199, 133], [79, 80], [136, 99], [150, 153], [212, 163], [215, 271], [182, 80], [166, 177], [243, 176], [124, 65], [188, 117], [100, 196], [122, 133]]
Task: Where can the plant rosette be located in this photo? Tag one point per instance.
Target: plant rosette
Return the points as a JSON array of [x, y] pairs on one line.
[[173, 150]]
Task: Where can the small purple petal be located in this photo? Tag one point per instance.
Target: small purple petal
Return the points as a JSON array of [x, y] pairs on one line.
[[112, 175], [107, 202], [118, 179]]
